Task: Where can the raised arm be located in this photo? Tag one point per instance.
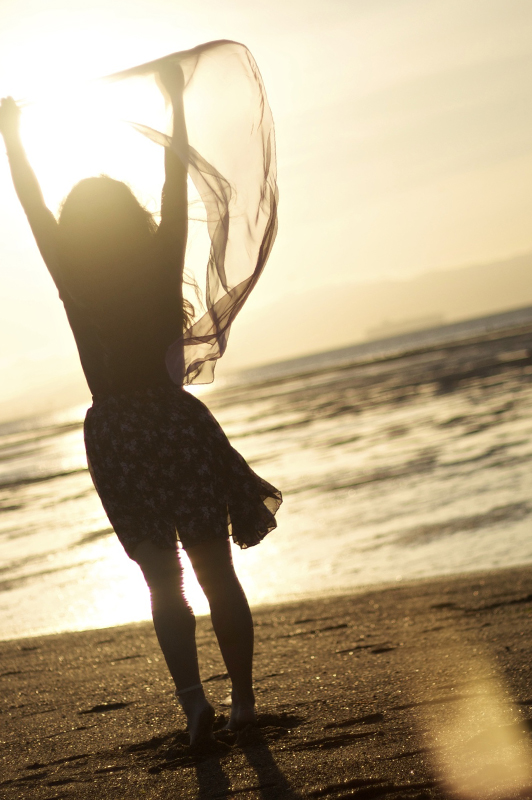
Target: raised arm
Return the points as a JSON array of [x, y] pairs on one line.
[[42, 222], [174, 201]]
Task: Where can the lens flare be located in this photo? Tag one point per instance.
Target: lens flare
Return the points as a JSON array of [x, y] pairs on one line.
[[480, 743]]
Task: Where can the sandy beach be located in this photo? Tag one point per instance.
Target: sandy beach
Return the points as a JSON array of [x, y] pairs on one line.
[[376, 694]]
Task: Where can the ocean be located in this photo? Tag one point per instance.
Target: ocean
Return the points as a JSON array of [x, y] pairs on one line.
[[399, 459]]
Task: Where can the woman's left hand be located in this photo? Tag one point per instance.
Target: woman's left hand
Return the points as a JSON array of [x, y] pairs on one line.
[[9, 118]]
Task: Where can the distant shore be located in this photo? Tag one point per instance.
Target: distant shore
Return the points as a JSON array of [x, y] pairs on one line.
[[355, 694]]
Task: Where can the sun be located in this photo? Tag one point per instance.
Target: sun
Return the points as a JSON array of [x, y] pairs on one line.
[[76, 126], [86, 131]]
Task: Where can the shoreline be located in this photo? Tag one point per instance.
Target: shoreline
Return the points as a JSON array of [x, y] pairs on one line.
[[354, 695], [304, 598]]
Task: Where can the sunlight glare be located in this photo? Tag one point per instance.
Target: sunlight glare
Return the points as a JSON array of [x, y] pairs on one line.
[[87, 133]]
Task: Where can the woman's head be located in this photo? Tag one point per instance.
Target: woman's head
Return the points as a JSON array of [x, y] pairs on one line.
[[104, 233], [106, 247]]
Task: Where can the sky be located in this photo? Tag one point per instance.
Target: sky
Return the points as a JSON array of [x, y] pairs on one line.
[[403, 139]]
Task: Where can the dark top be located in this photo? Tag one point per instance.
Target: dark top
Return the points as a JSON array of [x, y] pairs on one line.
[[123, 348]]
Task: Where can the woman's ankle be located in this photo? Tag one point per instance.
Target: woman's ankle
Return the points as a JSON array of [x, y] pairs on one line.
[[243, 698], [191, 697], [243, 712], [199, 713]]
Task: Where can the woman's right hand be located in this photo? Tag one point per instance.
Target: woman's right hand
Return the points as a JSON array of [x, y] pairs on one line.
[[172, 78], [9, 118]]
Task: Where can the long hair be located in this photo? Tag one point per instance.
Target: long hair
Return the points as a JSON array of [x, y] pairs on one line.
[[107, 243]]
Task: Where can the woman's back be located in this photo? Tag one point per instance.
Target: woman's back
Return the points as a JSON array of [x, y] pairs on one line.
[[119, 276], [122, 340]]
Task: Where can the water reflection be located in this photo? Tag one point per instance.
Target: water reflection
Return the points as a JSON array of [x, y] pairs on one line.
[[385, 477]]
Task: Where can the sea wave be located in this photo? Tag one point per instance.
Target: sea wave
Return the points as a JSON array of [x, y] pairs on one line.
[[394, 463]]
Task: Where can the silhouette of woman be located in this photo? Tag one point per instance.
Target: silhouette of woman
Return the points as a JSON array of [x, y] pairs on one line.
[[160, 462]]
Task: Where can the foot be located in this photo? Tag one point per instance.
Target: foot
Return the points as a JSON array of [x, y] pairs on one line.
[[200, 726], [242, 713], [200, 717]]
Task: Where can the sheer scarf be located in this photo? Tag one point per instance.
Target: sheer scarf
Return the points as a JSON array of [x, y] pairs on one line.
[[231, 162]]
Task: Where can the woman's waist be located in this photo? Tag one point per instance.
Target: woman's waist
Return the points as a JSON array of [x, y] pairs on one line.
[[111, 375], [138, 410], [136, 390]]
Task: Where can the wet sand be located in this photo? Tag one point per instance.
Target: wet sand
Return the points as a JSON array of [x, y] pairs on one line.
[[355, 694]]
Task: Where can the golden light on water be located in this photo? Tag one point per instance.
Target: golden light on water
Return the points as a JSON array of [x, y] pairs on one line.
[[132, 592], [112, 590]]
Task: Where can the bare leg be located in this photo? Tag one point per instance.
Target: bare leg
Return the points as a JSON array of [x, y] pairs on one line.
[[175, 626], [232, 623]]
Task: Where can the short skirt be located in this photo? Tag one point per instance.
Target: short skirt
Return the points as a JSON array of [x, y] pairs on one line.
[[164, 470]]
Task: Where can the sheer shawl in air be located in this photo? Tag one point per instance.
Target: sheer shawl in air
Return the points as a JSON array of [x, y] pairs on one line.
[[231, 162]]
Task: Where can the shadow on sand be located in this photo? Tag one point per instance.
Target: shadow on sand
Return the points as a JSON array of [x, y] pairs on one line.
[[265, 778], [217, 765]]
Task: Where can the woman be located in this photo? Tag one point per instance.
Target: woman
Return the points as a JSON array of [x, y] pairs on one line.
[[160, 463]]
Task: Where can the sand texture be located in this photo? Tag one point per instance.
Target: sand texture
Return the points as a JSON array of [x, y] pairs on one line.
[[419, 691]]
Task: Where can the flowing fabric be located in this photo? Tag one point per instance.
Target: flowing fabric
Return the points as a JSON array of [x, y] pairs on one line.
[[231, 161]]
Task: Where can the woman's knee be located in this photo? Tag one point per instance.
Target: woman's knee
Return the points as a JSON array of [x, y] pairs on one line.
[[160, 567], [213, 566]]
